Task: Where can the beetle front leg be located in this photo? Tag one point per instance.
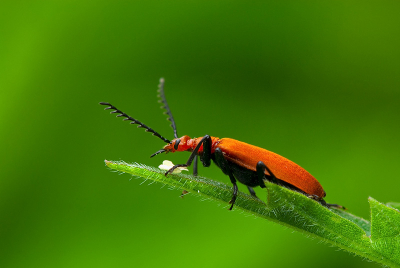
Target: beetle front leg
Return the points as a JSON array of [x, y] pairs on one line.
[[206, 159]]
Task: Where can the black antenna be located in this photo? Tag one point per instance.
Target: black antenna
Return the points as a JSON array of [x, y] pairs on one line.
[[134, 121], [165, 106], [158, 152]]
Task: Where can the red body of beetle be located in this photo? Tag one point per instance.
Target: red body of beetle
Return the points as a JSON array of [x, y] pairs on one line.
[[247, 156]]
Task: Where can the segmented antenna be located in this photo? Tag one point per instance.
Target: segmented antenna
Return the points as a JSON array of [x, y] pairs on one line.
[[158, 152], [134, 121], [165, 106]]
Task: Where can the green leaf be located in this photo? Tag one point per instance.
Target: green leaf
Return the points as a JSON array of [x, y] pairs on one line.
[[378, 242], [394, 205], [385, 230]]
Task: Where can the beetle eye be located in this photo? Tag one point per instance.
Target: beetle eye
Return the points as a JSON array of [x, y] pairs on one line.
[[176, 144]]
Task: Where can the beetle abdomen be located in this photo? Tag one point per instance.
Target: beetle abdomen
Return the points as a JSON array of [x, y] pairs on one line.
[[247, 156]]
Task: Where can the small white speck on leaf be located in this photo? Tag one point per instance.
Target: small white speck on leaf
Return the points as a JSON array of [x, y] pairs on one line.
[[167, 165]]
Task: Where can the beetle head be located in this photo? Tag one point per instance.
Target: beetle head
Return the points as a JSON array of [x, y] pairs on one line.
[[178, 144]]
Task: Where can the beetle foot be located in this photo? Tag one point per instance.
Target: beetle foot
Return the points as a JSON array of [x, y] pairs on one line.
[[184, 192], [336, 206], [322, 202], [171, 170], [232, 202]]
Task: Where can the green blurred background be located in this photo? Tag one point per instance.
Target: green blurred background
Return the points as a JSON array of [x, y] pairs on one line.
[[317, 82]]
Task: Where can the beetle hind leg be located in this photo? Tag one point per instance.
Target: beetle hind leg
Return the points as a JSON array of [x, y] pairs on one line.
[[335, 206], [261, 168], [322, 202]]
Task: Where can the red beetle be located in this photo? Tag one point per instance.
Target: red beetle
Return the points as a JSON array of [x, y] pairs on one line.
[[248, 164]]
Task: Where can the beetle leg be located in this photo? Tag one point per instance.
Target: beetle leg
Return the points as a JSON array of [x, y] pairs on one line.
[[335, 206], [322, 202], [224, 166], [251, 190], [206, 159], [195, 162], [261, 167], [235, 191]]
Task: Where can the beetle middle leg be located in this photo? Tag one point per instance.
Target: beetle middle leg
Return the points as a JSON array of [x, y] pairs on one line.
[[224, 166], [252, 192]]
